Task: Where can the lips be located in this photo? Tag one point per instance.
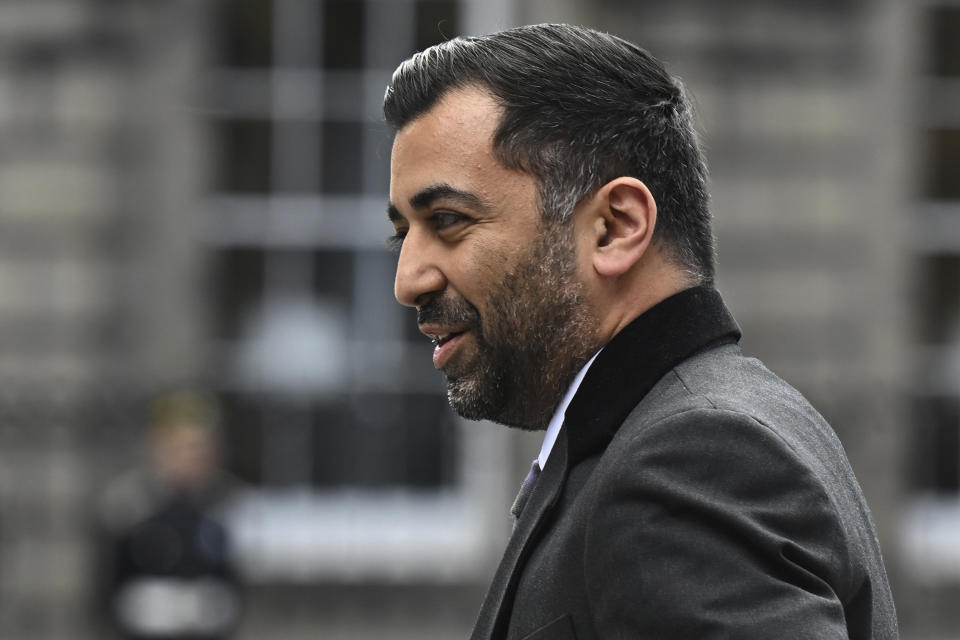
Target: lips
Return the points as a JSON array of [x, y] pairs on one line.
[[447, 320], [445, 342], [442, 339]]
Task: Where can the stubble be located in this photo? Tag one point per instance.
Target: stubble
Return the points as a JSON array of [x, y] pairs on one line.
[[536, 333]]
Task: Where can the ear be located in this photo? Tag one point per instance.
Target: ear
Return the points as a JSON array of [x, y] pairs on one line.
[[626, 215]]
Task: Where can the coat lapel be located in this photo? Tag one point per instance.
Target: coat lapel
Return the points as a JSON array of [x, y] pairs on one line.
[[498, 604]]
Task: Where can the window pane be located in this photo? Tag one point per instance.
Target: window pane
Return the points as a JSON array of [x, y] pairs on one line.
[[242, 437], [373, 440], [343, 34], [244, 30], [244, 162], [343, 96], [411, 330], [333, 275], [945, 41], [436, 21], [238, 287], [382, 440], [378, 144], [294, 168], [936, 457], [342, 159], [943, 158], [938, 302]]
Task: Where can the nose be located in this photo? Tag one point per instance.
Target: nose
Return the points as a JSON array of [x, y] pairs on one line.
[[419, 277]]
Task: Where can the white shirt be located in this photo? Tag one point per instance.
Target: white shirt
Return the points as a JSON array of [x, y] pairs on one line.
[[553, 429]]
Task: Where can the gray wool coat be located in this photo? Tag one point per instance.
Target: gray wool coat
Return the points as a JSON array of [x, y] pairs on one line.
[[691, 494]]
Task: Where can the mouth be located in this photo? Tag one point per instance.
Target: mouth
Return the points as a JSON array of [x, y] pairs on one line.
[[444, 344], [443, 338], [448, 320]]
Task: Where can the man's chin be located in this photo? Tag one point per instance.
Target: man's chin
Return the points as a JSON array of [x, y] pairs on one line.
[[464, 398], [469, 400], [471, 403]]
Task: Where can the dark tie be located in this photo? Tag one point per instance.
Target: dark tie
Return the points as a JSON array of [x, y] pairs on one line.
[[525, 490]]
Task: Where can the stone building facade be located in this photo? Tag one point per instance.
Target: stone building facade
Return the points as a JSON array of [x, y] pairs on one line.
[[188, 189]]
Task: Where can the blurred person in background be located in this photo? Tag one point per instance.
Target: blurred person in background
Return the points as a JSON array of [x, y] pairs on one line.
[[549, 201], [167, 571]]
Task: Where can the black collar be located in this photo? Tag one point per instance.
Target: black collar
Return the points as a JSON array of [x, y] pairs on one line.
[[637, 357]]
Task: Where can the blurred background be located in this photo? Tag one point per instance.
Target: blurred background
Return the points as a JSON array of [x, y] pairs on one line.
[[192, 199]]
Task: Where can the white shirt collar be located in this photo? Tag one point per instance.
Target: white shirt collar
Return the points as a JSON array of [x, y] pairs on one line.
[[553, 429]]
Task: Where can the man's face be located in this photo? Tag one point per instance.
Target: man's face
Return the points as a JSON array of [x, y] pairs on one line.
[[499, 293]]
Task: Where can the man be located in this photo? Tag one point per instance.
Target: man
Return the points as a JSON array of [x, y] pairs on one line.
[[166, 569], [549, 200]]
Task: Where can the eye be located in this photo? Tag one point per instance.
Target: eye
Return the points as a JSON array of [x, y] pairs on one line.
[[445, 219]]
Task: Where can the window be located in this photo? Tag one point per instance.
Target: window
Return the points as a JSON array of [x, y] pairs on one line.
[[943, 24], [942, 150], [333, 411], [932, 547]]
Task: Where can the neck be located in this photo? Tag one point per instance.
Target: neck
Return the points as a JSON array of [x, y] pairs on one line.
[[637, 291]]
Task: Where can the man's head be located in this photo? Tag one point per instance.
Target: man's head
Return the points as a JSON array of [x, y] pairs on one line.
[[580, 108], [184, 439], [524, 192], [493, 286]]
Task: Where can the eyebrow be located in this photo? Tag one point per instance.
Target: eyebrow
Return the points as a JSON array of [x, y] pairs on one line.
[[427, 197]]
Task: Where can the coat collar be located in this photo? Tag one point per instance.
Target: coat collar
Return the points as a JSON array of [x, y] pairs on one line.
[[637, 357]]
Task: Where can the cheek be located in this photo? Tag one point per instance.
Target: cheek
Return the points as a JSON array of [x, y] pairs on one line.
[[482, 282], [500, 255], [492, 276], [484, 265]]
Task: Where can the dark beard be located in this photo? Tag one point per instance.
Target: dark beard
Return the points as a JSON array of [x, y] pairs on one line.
[[537, 334]]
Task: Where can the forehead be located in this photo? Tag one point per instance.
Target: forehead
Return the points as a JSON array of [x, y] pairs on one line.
[[450, 143], [469, 111]]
